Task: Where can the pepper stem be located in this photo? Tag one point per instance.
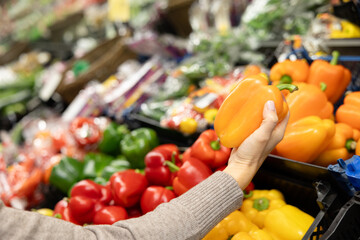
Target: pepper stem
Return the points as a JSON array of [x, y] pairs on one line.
[[287, 86], [169, 187], [248, 194], [350, 145], [261, 204], [286, 79], [335, 58], [323, 86], [172, 166], [215, 145], [58, 215]]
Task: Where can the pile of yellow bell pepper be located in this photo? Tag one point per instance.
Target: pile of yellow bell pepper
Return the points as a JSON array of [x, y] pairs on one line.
[[263, 216]]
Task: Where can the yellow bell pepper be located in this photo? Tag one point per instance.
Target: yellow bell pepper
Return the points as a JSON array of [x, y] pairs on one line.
[[260, 204], [258, 234], [232, 224], [210, 115], [44, 211], [287, 223], [217, 233], [188, 126]]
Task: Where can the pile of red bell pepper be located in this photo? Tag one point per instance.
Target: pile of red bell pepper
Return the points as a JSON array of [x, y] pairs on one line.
[[131, 193]]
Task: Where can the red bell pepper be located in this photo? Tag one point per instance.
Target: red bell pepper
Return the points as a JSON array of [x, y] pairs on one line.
[[192, 172], [186, 155], [82, 208], [171, 148], [85, 131], [208, 149], [154, 196], [110, 215], [127, 187], [62, 211], [86, 188], [162, 163]]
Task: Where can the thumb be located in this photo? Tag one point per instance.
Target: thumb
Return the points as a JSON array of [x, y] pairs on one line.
[[270, 119]]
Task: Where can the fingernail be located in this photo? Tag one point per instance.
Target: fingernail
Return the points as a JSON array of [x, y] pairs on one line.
[[270, 105]]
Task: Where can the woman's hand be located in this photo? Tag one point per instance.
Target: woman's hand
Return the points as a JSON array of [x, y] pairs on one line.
[[245, 160]]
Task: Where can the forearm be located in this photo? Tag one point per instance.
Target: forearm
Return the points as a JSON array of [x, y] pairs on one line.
[[192, 215], [189, 216]]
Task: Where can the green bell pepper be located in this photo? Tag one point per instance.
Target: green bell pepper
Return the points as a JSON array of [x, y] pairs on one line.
[[117, 165], [94, 164], [66, 173], [137, 144], [112, 136]]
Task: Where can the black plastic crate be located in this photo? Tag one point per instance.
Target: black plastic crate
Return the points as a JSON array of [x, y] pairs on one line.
[[310, 188], [346, 225]]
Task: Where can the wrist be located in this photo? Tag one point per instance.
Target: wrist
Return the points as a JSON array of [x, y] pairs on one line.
[[242, 174]]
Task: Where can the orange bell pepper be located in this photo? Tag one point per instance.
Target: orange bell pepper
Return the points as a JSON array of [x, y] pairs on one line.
[[357, 150], [342, 145], [336, 77], [309, 100], [349, 112], [241, 112], [306, 138], [251, 70], [289, 71]]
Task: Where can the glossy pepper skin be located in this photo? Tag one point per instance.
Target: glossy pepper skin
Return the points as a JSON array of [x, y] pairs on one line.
[[259, 234], [127, 187], [290, 71], [192, 172], [110, 215], [342, 145], [112, 136], [234, 223], [94, 164], [258, 206], [241, 112], [66, 173], [306, 138], [295, 221], [349, 112], [309, 100], [62, 211], [137, 144], [154, 196], [336, 77], [162, 163], [208, 149]]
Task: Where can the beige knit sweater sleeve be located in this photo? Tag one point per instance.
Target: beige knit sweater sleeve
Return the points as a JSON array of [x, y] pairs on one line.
[[189, 216]]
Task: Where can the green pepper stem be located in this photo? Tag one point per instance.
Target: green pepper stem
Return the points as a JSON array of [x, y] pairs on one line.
[[248, 194], [323, 86], [169, 187], [215, 145], [58, 215], [335, 58], [350, 145], [172, 166], [286, 79], [261, 204], [290, 87]]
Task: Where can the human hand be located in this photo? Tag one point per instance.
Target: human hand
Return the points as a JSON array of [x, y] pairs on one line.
[[246, 159]]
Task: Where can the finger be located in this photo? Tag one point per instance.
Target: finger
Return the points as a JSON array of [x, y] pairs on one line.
[[270, 119], [279, 130]]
